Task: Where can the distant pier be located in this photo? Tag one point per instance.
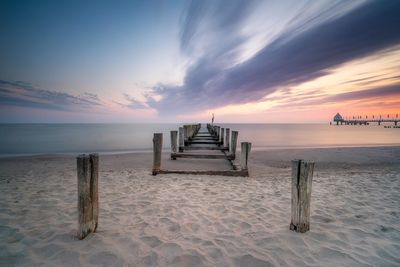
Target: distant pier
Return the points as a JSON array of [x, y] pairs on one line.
[[359, 120]]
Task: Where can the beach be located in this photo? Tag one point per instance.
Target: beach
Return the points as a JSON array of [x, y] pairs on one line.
[[189, 220]]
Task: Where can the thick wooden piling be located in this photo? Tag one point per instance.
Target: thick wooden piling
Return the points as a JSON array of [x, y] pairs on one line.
[[88, 198], [157, 149], [245, 152], [227, 136], [185, 134], [174, 142], [181, 139], [222, 139], [302, 174], [234, 143]]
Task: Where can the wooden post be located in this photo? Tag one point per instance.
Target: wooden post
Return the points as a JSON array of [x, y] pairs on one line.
[[157, 148], [88, 197], [227, 138], [302, 174], [222, 136], [174, 142], [185, 134], [245, 152], [234, 143], [181, 140]]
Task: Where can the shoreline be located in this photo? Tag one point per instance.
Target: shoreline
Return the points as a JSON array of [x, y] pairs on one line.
[[167, 149]]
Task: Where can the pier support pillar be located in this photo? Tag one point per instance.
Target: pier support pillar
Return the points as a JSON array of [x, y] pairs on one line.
[[174, 142], [222, 136], [245, 152], [88, 197], [227, 136], [234, 143], [157, 149], [181, 139], [302, 174]]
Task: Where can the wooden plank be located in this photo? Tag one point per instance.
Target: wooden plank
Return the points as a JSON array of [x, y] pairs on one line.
[[157, 148], [202, 148], [199, 156], [204, 142], [210, 139], [302, 174], [88, 201], [241, 173]]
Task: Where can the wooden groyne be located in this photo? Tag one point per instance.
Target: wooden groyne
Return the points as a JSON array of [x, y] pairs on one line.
[[194, 142]]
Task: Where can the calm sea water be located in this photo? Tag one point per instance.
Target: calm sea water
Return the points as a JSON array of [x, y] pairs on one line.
[[17, 139]]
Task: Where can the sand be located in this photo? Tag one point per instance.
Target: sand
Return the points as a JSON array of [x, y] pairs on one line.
[[184, 220]]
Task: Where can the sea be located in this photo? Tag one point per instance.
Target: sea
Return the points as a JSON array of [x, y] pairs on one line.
[[38, 139]]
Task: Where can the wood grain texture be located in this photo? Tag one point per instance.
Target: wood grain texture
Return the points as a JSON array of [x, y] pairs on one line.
[[88, 200], [245, 152], [234, 143], [242, 173], [302, 175], [157, 149], [174, 141]]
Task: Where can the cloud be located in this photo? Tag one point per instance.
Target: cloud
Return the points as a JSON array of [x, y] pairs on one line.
[[303, 50], [133, 103], [310, 99], [383, 91], [23, 94]]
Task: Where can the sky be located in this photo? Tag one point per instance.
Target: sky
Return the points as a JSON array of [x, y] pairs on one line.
[[180, 61]]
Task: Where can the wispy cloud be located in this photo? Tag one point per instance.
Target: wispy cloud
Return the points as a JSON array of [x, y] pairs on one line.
[[315, 39], [23, 94], [133, 103]]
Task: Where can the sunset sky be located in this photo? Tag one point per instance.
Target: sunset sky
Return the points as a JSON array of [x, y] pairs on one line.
[[180, 61]]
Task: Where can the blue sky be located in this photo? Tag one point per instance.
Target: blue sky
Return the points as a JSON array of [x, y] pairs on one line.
[[157, 61]]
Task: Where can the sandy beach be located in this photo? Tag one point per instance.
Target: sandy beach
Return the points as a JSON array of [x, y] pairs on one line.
[[187, 220]]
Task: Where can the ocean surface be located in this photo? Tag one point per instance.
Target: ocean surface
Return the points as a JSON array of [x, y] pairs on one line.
[[27, 139]]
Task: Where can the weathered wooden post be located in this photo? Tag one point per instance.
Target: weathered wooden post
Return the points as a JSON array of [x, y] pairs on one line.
[[222, 139], [174, 143], [181, 139], [227, 138], [185, 134], [245, 152], [302, 174], [234, 143], [157, 148], [88, 197]]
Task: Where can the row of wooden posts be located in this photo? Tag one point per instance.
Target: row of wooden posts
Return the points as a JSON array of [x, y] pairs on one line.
[[88, 197], [226, 143]]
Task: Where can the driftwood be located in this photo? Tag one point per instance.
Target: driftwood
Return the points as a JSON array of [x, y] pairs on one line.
[[88, 198], [302, 174]]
